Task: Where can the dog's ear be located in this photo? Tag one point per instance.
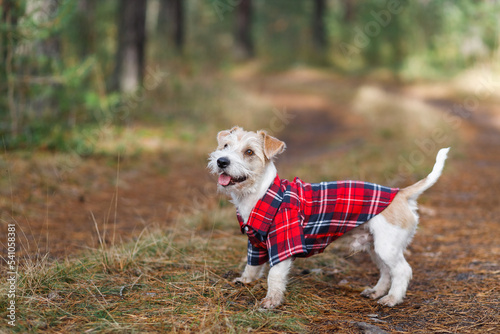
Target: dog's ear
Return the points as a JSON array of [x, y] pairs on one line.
[[226, 133], [272, 146], [221, 135]]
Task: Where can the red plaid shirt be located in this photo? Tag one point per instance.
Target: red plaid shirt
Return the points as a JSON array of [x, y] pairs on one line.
[[300, 219]]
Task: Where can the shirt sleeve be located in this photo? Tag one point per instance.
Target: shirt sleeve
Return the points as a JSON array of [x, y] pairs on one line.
[[256, 255], [287, 238]]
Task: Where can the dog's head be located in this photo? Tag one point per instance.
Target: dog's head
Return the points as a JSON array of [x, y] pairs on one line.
[[241, 158]]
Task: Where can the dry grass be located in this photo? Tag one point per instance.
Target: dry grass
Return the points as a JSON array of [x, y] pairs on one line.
[[179, 280], [164, 281]]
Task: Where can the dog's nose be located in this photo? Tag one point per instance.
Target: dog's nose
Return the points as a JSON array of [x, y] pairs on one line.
[[223, 162]]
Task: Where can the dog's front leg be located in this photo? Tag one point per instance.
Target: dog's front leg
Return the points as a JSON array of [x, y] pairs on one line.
[[250, 274], [276, 284]]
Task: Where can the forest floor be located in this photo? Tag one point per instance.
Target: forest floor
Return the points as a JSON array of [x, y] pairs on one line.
[[101, 201]]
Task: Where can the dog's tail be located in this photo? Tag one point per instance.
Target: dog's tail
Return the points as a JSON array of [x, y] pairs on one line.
[[415, 190]]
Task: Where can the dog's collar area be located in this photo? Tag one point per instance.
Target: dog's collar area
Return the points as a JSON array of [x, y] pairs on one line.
[[263, 213], [227, 180]]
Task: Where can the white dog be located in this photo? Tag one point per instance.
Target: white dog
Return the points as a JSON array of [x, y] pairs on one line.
[[284, 220]]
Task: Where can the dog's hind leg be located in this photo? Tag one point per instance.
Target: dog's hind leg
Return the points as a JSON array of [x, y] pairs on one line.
[[384, 282], [401, 274], [389, 242]]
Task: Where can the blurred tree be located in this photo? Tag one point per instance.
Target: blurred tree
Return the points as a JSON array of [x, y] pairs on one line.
[[129, 69], [318, 26], [85, 20], [51, 46], [349, 10], [36, 62], [10, 12], [244, 41], [171, 18]]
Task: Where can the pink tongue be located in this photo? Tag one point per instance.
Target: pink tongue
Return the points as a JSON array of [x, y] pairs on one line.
[[224, 179]]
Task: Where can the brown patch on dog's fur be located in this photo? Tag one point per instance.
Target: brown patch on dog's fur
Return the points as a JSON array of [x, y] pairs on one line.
[[399, 212]]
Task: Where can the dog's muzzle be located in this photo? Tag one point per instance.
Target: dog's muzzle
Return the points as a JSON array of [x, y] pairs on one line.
[[227, 180], [223, 162], [224, 178]]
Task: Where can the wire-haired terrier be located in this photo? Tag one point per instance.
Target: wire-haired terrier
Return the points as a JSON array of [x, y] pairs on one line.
[[285, 219]]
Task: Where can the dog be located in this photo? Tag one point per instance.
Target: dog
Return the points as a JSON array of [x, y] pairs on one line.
[[284, 220]]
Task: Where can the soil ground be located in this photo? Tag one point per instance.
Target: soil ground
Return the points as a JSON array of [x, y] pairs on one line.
[[454, 256]]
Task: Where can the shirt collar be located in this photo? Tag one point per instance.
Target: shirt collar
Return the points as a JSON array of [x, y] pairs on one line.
[[262, 215]]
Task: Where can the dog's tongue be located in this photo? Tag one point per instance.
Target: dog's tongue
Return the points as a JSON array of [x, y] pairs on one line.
[[224, 179]]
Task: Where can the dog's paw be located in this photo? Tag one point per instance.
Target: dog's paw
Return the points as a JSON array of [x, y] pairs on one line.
[[390, 301], [371, 293], [242, 280], [271, 301], [368, 293]]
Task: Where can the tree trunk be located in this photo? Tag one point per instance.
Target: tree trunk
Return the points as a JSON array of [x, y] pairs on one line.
[[178, 23], [171, 22], [244, 41], [318, 25], [129, 69], [349, 11], [86, 20], [10, 12]]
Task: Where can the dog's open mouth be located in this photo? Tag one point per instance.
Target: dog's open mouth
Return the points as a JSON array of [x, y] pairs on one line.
[[226, 180]]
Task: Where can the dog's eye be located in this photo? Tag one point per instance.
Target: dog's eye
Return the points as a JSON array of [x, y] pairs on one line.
[[225, 146], [249, 152]]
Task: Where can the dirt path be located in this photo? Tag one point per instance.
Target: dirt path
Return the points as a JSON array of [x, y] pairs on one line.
[[102, 200]]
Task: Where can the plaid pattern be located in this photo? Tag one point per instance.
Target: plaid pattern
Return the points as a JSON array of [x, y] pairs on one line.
[[301, 219]]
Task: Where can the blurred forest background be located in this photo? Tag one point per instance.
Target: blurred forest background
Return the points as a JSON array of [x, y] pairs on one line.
[[68, 65], [108, 110]]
